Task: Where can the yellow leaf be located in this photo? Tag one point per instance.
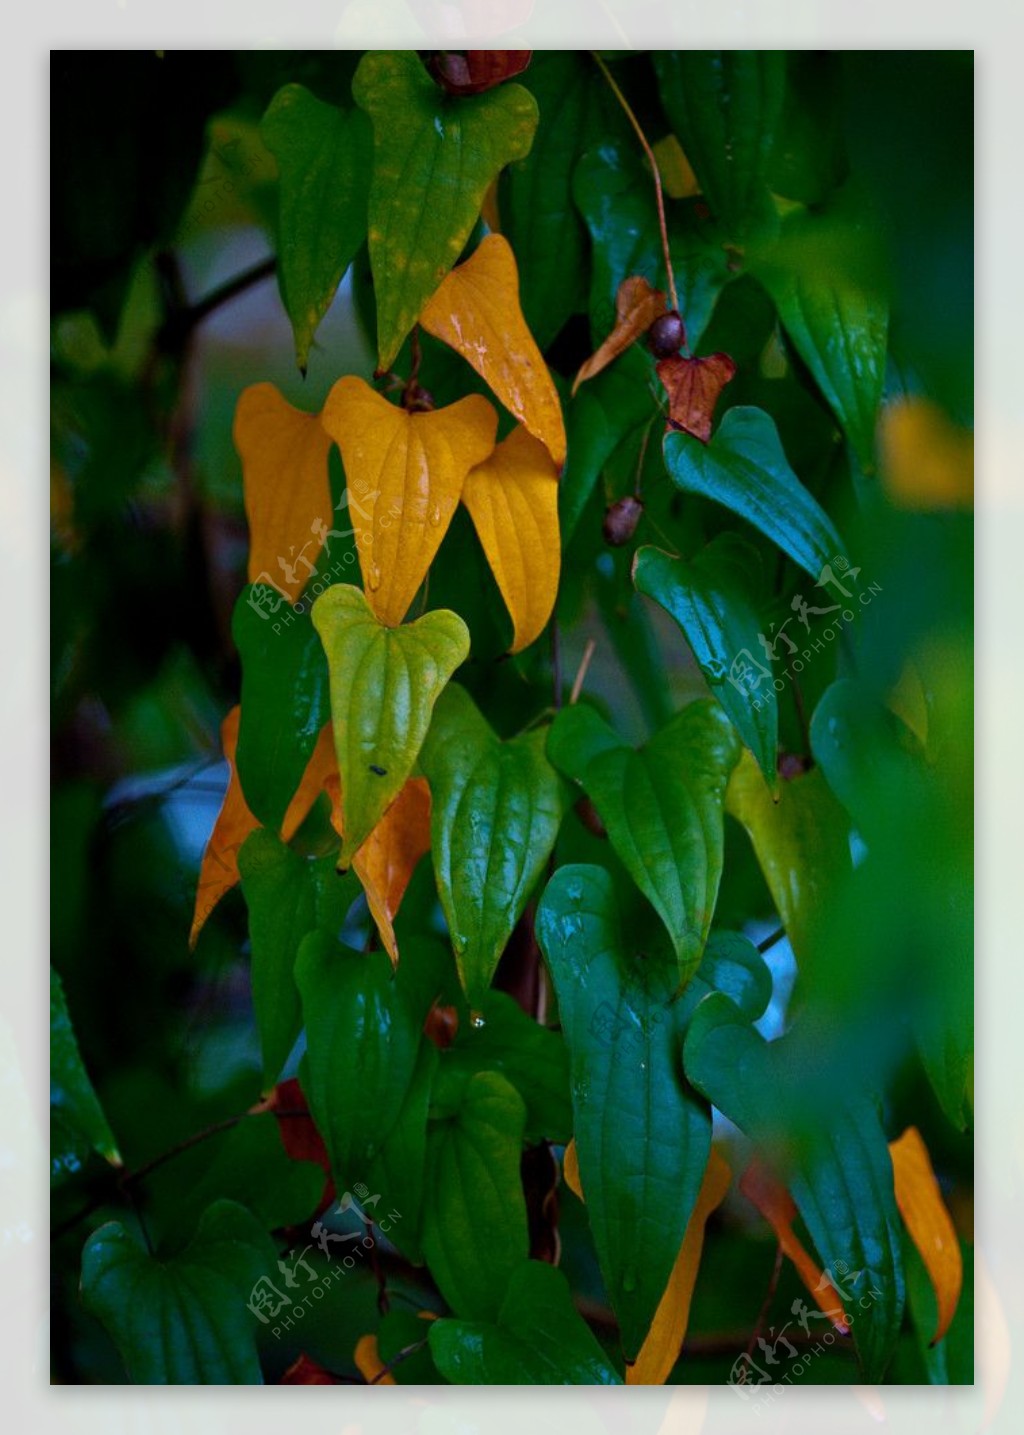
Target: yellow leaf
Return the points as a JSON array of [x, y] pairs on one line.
[[369, 1363], [927, 460], [928, 1222], [571, 1169], [387, 859], [777, 1207], [407, 471], [476, 310], [637, 306], [677, 176], [512, 499], [660, 1350], [219, 870], [284, 456]]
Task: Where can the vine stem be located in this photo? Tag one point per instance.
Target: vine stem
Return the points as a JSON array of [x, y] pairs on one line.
[[654, 170]]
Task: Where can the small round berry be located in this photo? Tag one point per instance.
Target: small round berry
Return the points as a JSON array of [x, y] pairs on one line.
[[666, 335]]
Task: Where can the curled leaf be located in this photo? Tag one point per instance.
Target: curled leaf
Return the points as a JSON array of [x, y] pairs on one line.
[[637, 305], [285, 482], [928, 1222], [694, 387], [571, 1169], [476, 311], [369, 1364], [512, 498], [407, 471]]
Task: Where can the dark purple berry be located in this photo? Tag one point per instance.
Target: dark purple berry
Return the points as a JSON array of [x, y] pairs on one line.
[[666, 335], [621, 519]]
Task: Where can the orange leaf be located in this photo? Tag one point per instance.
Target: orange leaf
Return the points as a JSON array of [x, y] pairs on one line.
[[387, 859], [928, 1222], [476, 311], [776, 1205], [693, 387], [664, 1341], [927, 460], [287, 491], [219, 870], [637, 306], [571, 1169], [369, 1363], [409, 469], [512, 499]]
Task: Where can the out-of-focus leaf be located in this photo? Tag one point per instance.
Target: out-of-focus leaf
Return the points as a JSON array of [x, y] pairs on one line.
[[744, 468], [512, 498], [324, 164], [642, 1136], [802, 842], [434, 158], [949, 1361], [474, 1227], [78, 1122], [284, 704], [725, 107], [497, 808], [183, 1320], [661, 1349], [637, 306], [713, 599], [677, 176], [398, 1331], [538, 1338], [287, 491], [927, 461], [694, 387], [833, 1156], [362, 1040], [928, 1222], [407, 471], [662, 809], [476, 311], [384, 683]]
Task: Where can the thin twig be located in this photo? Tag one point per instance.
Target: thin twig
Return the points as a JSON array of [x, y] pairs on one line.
[[770, 940], [762, 1315], [577, 686], [403, 1354], [656, 172]]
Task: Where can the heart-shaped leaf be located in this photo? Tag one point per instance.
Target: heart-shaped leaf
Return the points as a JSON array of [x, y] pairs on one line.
[[476, 311], [642, 1136], [324, 164], [78, 1123], [497, 808], [662, 808], [408, 470], [384, 683], [539, 1338], [712, 598], [184, 1320], [512, 498], [694, 387], [362, 1039], [433, 160], [744, 468], [474, 1225], [399, 1168]]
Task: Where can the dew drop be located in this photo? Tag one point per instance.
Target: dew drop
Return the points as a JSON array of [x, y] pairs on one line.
[[476, 1020]]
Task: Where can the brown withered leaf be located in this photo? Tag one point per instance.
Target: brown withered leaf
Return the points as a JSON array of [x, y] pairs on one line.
[[694, 387], [637, 306], [306, 1371], [471, 72]]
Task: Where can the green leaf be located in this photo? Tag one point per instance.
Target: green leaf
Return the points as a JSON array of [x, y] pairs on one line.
[[287, 896], [284, 704], [835, 311], [362, 1042], [662, 808], [474, 1226], [539, 1338], [606, 411], [182, 1320], [324, 161], [642, 1137], [399, 1168], [399, 1330], [495, 813], [532, 1057], [744, 468], [733, 966], [615, 194], [713, 599], [831, 1152], [384, 683], [951, 1361], [725, 107], [78, 1124], [434, 158], [802, 842]]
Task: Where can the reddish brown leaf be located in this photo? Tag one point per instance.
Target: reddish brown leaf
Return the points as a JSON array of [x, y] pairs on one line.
[[470, 72], [299, 1135], [693, 387], [441, 1025], [305, 1371], [637, 306]]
